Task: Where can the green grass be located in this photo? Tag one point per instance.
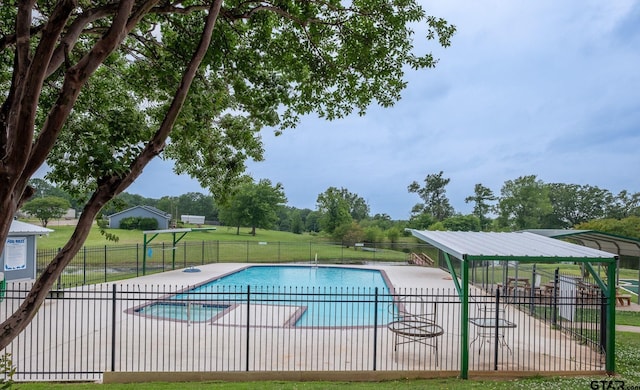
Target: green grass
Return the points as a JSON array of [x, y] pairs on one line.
[[628, 318], [61, 235], [627, 366]]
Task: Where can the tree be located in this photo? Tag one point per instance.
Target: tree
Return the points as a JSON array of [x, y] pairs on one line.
[[334, 209], [254, 205], [433, 195], [624, 205], [297, 226], [393, 234], [96, 88], [46, 209], [573, 204], [349, 233], [196, 203], [524, 203], [481, 196], [312, 222], [462, 223]]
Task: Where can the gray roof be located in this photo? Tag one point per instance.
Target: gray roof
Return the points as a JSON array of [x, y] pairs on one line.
[[611, 243], [494, 245], [18, 227], [151, 209]]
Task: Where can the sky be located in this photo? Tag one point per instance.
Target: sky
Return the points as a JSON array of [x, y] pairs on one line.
[[547, 88]]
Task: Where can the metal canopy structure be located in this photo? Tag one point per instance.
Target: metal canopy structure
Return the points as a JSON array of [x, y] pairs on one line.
[[519, 247], [175, 240], [620, 245]]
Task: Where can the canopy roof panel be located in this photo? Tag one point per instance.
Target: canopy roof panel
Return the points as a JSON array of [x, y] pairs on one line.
[[516, 245], [19, 227], [611, 243]]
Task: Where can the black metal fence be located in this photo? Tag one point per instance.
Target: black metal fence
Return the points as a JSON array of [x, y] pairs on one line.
[[116, 262], [83, 331]]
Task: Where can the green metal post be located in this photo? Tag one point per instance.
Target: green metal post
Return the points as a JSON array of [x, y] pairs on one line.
[[173, 252], [610, 363], [144, 255], [464, 324]]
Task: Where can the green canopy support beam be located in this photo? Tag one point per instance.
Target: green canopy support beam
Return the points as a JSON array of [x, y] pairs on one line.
[[464, 324], [610, 342], [452, 271], [175, 241]]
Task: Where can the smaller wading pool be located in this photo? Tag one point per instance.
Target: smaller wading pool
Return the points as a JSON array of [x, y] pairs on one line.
[[319, 296], [196, 312]]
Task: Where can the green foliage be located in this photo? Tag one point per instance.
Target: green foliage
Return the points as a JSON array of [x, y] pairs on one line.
[[524, 203], [297, 226], [312, 222], [627, 227], [139, 223], [420, 221], [7, 370], [254, 205], [334, 209], [624, 205], [148, 224], [373, 234], [393, 234], [462, 223], [46, 209], [433, 194], [348, 233], [573, 204], [482, 195]]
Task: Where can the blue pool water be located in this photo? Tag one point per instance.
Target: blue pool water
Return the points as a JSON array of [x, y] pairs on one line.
[[332, 296]]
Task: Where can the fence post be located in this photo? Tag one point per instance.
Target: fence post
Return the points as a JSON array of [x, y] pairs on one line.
[[497, 331], [248, 321], [247, 251], [105, 264], [59, 277], [532, 291], [375, 328], [184, 253], [202, 262], [554, 306], [113, 328], [137, 259], [84, 265]]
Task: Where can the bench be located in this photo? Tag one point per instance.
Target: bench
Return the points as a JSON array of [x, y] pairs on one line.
[[624, 299]]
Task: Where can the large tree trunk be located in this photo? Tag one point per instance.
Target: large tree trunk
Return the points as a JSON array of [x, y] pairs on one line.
[[108, 187]]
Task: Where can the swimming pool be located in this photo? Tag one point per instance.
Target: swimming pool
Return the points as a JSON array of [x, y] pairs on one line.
[[325, 296]]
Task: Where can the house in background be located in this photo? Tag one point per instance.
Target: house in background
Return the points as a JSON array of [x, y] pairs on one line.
[[18, 259], [163, 218]]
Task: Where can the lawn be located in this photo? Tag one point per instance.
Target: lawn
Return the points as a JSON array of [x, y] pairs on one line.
[[61, 235]]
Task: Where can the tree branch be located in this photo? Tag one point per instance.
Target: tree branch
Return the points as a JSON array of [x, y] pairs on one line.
[[107, 189], [74, 80]]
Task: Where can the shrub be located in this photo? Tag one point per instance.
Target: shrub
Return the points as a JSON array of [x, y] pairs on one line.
[[133, 223], [7, 370], [129, 223], [147, 223]]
